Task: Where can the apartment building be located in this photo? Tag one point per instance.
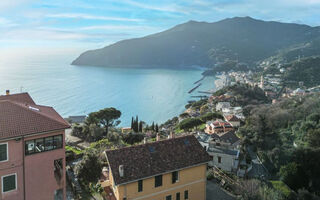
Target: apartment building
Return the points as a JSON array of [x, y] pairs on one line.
[[32, 154], [170, 169]]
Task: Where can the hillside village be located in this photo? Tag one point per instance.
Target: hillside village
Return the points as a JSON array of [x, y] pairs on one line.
[[214, 138], [218, 124]]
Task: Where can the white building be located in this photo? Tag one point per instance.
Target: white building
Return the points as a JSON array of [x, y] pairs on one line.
[[221, 105], [223, 149]]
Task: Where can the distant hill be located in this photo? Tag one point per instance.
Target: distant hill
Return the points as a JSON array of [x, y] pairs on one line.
[[203, 44]]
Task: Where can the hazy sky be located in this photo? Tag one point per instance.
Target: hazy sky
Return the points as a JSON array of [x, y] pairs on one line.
[[85, 24]]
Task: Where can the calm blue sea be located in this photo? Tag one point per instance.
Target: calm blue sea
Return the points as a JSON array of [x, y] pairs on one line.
[[152, 94]]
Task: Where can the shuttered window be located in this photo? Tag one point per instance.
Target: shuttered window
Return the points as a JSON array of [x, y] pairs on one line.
[[9, 183], [3, 152]]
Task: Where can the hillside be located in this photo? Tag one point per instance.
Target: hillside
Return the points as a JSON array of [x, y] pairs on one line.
[[202, 44], [306, 70], [289, 54]]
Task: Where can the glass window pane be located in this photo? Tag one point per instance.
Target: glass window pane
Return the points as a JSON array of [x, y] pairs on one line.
[[158, 181], [48, 143], [9, 183], [29, 147], [57, 141], [39, 145], [3, 152], [58, 194]]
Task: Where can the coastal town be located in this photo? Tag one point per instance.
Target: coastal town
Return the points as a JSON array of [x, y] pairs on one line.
[[204, 153]]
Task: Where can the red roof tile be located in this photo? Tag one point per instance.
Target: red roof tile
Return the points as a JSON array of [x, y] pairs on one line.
[[19, 118], [155, 158], [21, 97]]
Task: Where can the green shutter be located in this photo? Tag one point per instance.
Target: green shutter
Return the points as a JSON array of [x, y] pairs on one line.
[[3, 152], [9, 183]]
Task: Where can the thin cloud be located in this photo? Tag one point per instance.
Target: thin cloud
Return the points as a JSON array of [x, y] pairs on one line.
[[91, 17], [163, 8], [6, 23]]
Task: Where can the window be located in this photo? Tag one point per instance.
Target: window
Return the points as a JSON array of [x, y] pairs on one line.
[[9, 183], [57, 141], [43, 144], [186, 194], [178, 196], [219, 159], [168, 197], [58, 168], [30, 147], [3, 152], [48, 143], [39, 145], [140, 186], [58, 194], [175, 177], [158, 181]]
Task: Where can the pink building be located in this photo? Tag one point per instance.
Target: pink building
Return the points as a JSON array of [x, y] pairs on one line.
[[32, 153]]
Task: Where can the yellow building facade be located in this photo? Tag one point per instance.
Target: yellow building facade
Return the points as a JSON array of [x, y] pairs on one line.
[[191, 184], [173, 169]]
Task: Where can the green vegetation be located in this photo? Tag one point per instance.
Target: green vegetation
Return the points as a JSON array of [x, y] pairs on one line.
[[244, 95], [189, 123], [306, 70], [196, 105], [73, 149], [286, 137], [210, 116], [89, 169], [282, 187], [104, 118], [97, 124]]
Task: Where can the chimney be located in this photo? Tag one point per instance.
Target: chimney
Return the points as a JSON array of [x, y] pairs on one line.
[[158, 137], [172, 135], [144, 140], [7, 92], [121, 171]]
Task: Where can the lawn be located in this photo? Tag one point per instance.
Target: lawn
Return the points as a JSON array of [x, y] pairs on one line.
[[282, 187]]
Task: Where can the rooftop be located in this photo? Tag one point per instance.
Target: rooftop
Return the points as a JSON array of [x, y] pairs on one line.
[[20, 116], [232, 118], [156, 158], [229, 137]]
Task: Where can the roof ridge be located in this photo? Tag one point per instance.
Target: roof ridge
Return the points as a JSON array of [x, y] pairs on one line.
[[22, 105], [153, 142]]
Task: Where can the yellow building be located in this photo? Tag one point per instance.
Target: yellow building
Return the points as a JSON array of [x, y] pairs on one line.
[[171, 169]]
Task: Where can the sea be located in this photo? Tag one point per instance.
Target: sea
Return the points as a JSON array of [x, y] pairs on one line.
[[152, 94]]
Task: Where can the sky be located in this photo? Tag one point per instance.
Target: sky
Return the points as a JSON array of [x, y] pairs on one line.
[[89, 24]]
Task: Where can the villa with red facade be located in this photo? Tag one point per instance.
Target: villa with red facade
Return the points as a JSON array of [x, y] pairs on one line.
[[32, 150]]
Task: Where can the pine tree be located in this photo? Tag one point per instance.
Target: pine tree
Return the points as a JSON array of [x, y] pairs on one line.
[[157, 128], [152, 126]]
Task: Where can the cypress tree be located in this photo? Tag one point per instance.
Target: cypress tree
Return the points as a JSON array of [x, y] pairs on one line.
[[157, 128], [132, 123], [140, 126], [152, 126]]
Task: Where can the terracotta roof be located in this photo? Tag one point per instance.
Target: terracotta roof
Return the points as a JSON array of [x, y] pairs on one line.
[[20, 119], [232, 118], [21, 97], [155, 158]]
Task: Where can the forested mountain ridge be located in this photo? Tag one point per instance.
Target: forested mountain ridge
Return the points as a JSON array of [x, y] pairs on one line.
[[203, 44]]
